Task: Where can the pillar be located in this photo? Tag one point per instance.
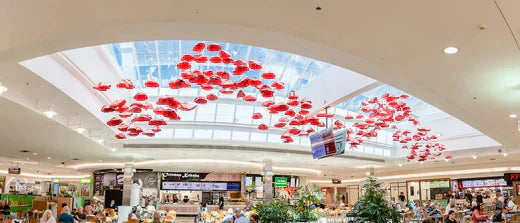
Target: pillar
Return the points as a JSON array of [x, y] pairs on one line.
[[268, 180], [334, 194], [369, 171], [128, 171]]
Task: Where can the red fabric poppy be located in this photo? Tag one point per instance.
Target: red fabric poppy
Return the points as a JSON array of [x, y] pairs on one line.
[[257, 115], [114, 121], [125, 84], [187, 58], [223, 74], [200, 100], [151, 84], [268, 75], [254, 82], [120, 136], [279, 125], [213, 47], [215, 59], [133, 134], [224, 54], [141, 96], [263, 127], [125, 114], [303, 112], [211, 97], [227, 60], [149, 133], [102, 86], [249, 98], [187, 75], [122, 109], [309, 130], [123, 127], [288, 140], [142, 118], [241, 94], [227, 84], [208, 73], [293, 102], [306, 105], [214, 80], [449, 156], [267, 93], [290, 112], [255, 65], [201, 59], [292, 95], [187, 106], [267, 103], [183, 65], [135, 109], [278, 85], [199, 47], [303, 133], [285, 135], [360, 116], [107, 109], [226, 91], [206, 87], [157, 121], [178, 84], [240, 69], [201, 79], [339, 124], [158, 110], [294, 122], [294, 131], [156, 128]]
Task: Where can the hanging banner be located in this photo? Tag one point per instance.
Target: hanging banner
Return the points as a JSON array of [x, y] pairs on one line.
[[85, 185]]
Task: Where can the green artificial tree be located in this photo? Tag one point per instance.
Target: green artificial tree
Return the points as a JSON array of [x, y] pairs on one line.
[[306, 195], [274, 211], [373, 207]]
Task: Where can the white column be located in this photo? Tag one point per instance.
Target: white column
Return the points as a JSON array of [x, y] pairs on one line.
[[268, 180]]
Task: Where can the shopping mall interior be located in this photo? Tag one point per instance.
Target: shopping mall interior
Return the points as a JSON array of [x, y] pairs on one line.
[[224, 111]]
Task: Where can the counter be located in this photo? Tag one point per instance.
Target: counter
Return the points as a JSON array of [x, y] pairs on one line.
[[226, 207], [181, 209]]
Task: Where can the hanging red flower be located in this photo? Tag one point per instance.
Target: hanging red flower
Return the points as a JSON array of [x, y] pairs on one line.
[[257, 115], [156, 128], [199, 47], [263, 127], [267, 103], [107, 109], [294, 131], [292, 95], [255, 65], [114, 121], [178, 84], [268, 75], [213, 47], [157, 121], [241, 94], [224, 54], [290, 112], [125, 114], [142, 118], [279, 124], [149, 133], [211, 97], [151, 84], [120, 136], [183, 65], [226, 91], [122, 127], [102, 86], [254, 82], [249, 98], [141, 96], [187, 106], [278, 85], [201, 59], [125, 84], [215, 59], [200, 100], [134, 109]]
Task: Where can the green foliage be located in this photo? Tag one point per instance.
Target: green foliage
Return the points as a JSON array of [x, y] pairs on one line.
[[373, 207], [301, 209], [275, 211]]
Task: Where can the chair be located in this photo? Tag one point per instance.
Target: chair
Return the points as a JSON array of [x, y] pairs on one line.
[[133, 221], [92, 218], [112, 212]]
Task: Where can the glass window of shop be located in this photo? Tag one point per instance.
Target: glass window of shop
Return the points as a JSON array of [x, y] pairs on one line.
[[425, 190]]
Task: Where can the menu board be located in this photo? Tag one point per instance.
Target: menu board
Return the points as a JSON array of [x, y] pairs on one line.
[[323, 143], [248, 183], [484, 183], [440, 184], [201, 186]]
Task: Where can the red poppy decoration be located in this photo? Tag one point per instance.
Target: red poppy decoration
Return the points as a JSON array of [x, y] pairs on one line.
[[215, 59], [267, 103], [156, 128], [214, 47], [125, 84], [134, 109], [199, 47], [254, 82], [290, 112], [226, 91], [149, 133], [125, 114], [187, 75], [249, 98], [279, 124], [224, 54], [201, 59], [122, 127], [120, 136], [200, 100], [292, 95], [303, 112], [448, 157], [187, 106], [293, 103], [211, 97], [114, 121], [156, 121], [183, 65], [142, 118], [102, 86], [107, 109], [268, 75], [257, 115], [263, 127], [309, 130], [151, 84], [294, 131], [255, 65], [278, 85], [178, 84], [241, 94], [141, 96]]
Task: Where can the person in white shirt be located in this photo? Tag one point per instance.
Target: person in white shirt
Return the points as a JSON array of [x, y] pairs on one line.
[[511, 204], [449, 207]]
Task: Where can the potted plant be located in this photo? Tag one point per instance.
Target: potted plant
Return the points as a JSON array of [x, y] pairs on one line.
[[373, 207], [302, 211], [275, 211]]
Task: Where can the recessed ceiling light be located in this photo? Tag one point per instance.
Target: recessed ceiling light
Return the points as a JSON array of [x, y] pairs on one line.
[[422, 162], [512, 116], [35, 154], [400, 164], [447, 160], [3, 89], [505, 154], [49, 158], [451, 50], [100, 141], [50, 113], [474, 157], [113, 149], [100, 161], [80, 130]]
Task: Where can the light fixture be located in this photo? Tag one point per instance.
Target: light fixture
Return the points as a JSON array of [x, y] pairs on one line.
[[49, 158], [512, 116], [100, 161], [80, 130], [447, 160], [113, 149], [50, 113], [3, 89], [100, 140], [422, 162], [35, 154], [400, 165], [505, 154], [474, 157], [451, 50]]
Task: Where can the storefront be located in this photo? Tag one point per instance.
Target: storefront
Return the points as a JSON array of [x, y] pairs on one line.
[[488, 186], [429, 190], [254, 188], [187, 192]]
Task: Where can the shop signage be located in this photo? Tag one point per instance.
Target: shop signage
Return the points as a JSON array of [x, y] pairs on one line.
[[510, 177], [182, 176], [440, 184], [482, 183], [280, 182], [336, 181], [14, 170], [201, 186]]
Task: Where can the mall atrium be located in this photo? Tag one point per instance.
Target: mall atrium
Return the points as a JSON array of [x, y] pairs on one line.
[[216, 111]]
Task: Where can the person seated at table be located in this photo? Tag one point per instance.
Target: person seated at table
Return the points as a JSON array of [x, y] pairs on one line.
[[134, 214], [499, 216], [511, 204], [4, 208], [428, 220], [478, 214], [47, 217], [80, 215], [450, 207], [89, 210], [113, 205], [65, 215], [432, 210], [157, 217], [451, 217], [254, 218]]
